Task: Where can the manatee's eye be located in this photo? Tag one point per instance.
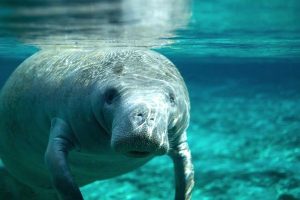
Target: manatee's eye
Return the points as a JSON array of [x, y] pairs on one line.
[[110, 95], [172, 98]]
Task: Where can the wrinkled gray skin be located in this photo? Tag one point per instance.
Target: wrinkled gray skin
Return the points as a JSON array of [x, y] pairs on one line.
[[71, 117]]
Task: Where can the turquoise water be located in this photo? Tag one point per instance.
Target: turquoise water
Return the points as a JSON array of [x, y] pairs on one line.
[[240, 61]]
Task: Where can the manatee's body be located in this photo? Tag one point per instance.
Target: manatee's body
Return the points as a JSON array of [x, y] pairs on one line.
[[92, 106]]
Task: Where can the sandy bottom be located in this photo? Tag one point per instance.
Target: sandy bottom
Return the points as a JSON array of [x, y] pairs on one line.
[[245, 142]]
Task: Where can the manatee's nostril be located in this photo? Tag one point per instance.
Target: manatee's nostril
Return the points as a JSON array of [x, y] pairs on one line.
[[152, 119], [139, 118]]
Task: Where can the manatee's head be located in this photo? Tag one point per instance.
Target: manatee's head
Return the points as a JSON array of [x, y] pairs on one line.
[[144, 103]]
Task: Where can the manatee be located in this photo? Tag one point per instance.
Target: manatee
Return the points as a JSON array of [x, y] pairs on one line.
[[73, 116]]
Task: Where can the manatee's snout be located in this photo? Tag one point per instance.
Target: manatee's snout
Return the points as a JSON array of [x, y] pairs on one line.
[[140, 132]]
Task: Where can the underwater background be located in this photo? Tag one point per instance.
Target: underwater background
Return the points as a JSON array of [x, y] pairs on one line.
[[240, 60]]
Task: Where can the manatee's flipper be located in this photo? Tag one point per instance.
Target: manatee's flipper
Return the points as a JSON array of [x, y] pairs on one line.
[[184, 171], [61, 141]]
